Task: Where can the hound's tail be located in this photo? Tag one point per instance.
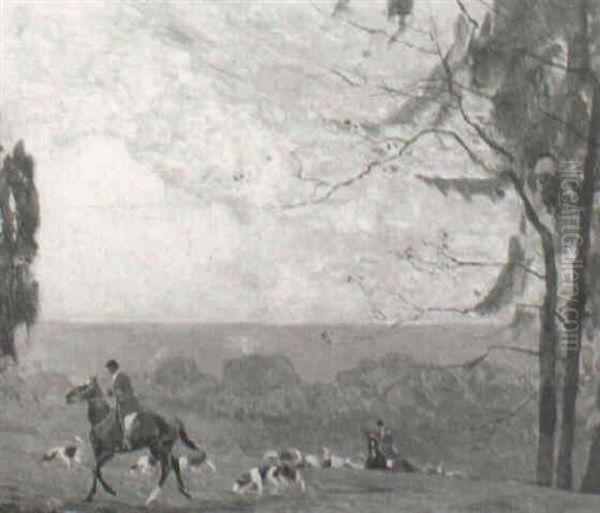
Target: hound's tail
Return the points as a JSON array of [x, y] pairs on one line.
[[185, 438]]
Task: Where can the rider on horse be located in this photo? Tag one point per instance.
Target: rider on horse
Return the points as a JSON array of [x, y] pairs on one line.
[[127, 404], [386, 440]]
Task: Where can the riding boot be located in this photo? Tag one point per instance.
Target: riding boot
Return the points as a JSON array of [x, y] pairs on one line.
[[123, 446]]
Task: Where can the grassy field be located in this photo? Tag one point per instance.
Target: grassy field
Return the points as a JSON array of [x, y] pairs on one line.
[[34, 417], [328, 491]]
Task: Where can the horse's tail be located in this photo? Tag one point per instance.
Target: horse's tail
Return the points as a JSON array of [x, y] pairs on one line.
[[185, 438]]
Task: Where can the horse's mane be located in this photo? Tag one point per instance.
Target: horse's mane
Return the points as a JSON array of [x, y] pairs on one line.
[[98, 406]]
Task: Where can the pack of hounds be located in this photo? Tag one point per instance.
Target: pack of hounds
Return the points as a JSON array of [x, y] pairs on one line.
[[275, 472], [127, 428]]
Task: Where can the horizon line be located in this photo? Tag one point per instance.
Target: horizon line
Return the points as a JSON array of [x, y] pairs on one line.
[[91, 321]]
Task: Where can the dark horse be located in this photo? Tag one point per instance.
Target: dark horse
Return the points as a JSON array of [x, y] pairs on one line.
[[149, 430]]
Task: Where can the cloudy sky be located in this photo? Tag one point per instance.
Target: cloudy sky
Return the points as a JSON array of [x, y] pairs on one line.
[[180, 147]]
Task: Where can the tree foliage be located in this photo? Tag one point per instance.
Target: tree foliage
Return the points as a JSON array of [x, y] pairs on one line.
[[517, 92], [19, 221]]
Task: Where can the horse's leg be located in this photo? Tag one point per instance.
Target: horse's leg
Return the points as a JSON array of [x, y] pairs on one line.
[[180, 485], [165, 468], [107, 488], [92, 491], [97, 476], [300, 481]]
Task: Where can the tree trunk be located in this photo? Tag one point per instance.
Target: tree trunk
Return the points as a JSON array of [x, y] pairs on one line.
[[576, 305], [7, 341], [564, 464], [591, 479], [547, 343], [547, 364], [7, 325], [578, 243]]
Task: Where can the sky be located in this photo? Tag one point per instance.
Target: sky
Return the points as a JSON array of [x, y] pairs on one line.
[[179, 148]]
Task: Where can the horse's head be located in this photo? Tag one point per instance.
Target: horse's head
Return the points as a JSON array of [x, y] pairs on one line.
[[84, 391]]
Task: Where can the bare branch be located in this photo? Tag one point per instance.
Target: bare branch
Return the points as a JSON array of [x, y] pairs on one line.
[[464, 10], [332, 188], [364, 28], [550, 115], [470, 364], [376, 312], [317, 182], [447, 309], [394, 91], [472, 155], [459, 262], [463, 87], [485, 137], [450, 261], [495, 423], [530, 212], [344, 78], [391, 38], [488, 6]]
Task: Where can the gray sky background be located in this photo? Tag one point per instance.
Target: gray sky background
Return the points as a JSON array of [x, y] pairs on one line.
[[168, 139]]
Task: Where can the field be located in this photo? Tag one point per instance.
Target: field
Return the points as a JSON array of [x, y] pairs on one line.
[[328, 491], [34, 417]]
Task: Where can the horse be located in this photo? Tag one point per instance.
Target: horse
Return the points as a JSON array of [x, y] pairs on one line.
[[385, 458], [149, 430]]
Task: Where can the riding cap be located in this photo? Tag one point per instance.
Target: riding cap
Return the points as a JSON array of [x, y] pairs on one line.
[[112, 364]]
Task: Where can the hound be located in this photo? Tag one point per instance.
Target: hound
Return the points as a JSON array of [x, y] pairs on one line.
[[330, 460], [292, 456], [298, 459], [196, 462], [253, 480], [270, 457], [275, 477], [312, 461], [68, 455], [287, 475], [260, 476], [147, 464]]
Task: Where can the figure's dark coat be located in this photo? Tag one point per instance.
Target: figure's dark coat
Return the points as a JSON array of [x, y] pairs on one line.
[[127, 402]]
